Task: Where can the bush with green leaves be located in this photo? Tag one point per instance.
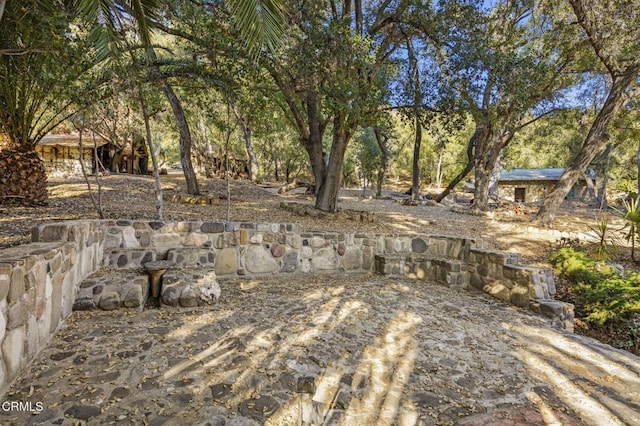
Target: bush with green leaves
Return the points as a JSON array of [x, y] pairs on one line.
[[605, 295]]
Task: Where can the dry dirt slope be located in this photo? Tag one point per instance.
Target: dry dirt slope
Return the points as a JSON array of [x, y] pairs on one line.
[[132, 197]]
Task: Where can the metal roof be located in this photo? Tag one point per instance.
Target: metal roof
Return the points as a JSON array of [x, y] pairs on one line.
[[71, 140], [532, 174]]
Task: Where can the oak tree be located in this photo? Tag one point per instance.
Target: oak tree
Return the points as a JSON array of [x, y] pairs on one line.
[[610, 27]]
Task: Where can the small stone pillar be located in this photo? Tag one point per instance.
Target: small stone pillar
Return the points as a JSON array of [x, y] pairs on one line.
[[156, 270]]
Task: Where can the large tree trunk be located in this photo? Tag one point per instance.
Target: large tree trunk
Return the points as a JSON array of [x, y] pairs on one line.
[[327, 194], [487, 159], [23, 179], [482, 164], [317, 158], [311, 126], [594, 142], [313, 144], [248, 143], [185, 140], [481, 194], [417, 103], [482, 131], [415, 169], [494, 179]]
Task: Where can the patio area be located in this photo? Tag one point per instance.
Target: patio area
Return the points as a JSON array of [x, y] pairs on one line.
[[352, 349]]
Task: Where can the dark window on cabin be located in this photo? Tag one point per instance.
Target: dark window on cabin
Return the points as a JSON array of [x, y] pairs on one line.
[[519, 195]]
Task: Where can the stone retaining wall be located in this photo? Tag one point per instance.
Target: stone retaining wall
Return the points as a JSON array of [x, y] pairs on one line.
[[38, 284], [240, 249], [39, 281], [237, 249]]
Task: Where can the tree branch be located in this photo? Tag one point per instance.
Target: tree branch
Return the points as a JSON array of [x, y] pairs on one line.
[[592, 34]]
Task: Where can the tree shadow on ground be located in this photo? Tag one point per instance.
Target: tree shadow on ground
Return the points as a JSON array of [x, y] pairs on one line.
[[377, 350]]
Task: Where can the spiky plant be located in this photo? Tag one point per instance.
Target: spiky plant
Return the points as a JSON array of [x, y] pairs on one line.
[[606, 241], [631, 215]]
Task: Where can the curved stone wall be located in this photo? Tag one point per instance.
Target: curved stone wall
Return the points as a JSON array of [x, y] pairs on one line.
[[40, 281]]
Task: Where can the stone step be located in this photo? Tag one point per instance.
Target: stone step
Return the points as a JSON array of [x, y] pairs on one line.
[[399, 264], [448, 272], [189, 287], [113, 289], [116, 289]]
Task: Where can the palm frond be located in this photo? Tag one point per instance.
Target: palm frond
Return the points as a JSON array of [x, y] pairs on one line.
[[261, 23], [144, 12], [106, 19]]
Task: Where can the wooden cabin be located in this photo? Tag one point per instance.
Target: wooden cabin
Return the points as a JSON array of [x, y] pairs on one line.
[[61, 153]]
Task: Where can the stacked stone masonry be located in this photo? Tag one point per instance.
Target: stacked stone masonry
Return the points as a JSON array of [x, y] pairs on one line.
[[38, 286], [99, 264]]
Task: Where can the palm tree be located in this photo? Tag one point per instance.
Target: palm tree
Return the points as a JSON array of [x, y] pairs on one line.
[[107, 17], [23, 105]]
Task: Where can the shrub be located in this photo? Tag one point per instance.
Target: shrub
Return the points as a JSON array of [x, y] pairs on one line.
[[603, 293], [626, 185]]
